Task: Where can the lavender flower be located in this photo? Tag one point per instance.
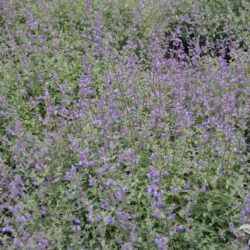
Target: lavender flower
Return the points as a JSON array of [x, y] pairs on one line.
[[111, 120], [203, 190], [108, 220], [76, 229], [178, 228], [20, 219], [160, 242], [92, 181]]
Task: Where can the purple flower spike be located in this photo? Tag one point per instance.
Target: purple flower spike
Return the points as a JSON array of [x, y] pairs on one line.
[[160, 242], [20, 219], [202, 190], [178, 228], [76, 229], [108, 220]]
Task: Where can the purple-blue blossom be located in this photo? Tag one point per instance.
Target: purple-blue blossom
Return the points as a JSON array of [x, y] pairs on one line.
[[124, 124], [108, 220]]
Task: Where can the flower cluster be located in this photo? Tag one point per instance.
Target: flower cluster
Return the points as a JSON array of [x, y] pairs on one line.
[[124, 124]]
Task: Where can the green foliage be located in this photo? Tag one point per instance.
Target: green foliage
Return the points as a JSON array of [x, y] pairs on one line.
[[41, 68]]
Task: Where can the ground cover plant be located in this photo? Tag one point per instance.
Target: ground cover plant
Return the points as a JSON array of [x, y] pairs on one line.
[[124, 124]]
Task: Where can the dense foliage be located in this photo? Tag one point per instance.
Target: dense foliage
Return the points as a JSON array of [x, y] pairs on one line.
[[124, 124]]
